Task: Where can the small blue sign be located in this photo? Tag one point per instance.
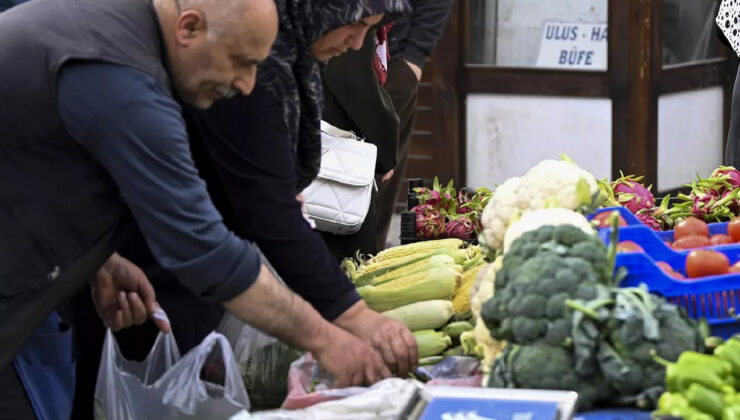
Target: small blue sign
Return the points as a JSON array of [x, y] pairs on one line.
[[442, 408]]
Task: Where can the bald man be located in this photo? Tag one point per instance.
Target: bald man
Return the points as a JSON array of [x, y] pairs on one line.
[[92, 139]]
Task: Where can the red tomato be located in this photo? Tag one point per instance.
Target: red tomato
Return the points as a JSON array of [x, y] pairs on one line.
[[690, 226], [603, 219], [669, 270], [720, 239], [692, 241], [629, 246], [704, 262], [733, 229]]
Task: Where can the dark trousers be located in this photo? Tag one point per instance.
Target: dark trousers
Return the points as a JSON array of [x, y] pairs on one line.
[[14, 403], [402, 87]]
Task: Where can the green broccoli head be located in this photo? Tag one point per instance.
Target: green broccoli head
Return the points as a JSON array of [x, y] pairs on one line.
[[540, 271], [540, 366]]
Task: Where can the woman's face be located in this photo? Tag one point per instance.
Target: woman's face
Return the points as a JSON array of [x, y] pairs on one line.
[[339, 40]]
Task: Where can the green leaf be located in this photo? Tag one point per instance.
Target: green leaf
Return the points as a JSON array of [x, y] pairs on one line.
[[566, 158], [583, 192], [435, 185]]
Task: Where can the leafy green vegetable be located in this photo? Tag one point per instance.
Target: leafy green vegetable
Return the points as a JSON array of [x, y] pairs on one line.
[[265, 375]]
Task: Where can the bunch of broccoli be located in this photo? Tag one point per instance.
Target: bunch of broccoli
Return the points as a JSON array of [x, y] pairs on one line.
[[570, 329]]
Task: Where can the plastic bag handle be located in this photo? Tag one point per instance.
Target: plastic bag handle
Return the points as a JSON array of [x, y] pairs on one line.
[[188, 402]]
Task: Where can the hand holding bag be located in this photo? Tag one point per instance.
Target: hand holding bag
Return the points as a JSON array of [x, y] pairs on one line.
[[339, 198]]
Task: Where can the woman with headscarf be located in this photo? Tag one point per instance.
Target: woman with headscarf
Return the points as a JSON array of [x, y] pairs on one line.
[[257, 152]]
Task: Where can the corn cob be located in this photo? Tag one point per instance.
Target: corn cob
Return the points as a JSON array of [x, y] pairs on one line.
[[431, 343], [454, 329], [426, 315], [424, 247], [435, 283], [461, 301], [436, 259]]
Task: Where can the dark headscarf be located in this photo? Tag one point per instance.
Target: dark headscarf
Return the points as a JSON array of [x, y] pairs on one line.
[[293, 75]]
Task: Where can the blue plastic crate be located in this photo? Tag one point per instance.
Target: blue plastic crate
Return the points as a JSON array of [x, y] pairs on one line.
[[708, 297]]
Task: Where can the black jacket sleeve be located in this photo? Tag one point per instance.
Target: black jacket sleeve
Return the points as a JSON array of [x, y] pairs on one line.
[[415, 36], [241, 148], [355, 101]]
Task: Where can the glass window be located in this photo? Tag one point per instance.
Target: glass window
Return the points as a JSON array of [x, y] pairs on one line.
[[565, 34], [689, 32]]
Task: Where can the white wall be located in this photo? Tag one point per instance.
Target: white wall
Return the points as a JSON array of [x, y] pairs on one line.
[[689, 136], [507, 134], [520, 25]]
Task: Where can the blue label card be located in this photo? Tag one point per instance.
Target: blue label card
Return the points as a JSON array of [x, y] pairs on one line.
[[442, 408]]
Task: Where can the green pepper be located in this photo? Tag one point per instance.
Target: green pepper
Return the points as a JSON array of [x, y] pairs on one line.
[[686, 413], [731, 413], [718, 366], [704, 399], [731, 354], [680, 377], [671, 400]]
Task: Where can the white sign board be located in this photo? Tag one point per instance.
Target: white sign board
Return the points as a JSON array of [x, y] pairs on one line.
[[573, 45]]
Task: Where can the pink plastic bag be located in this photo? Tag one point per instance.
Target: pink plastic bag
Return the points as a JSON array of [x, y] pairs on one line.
[[308, 385]]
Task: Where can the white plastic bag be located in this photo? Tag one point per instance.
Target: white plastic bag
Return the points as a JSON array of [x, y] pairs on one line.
[[205, 383]]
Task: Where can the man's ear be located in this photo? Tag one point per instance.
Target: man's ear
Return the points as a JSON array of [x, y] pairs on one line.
[[191, 24]]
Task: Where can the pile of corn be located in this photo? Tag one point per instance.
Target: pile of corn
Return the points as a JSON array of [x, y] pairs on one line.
[[426, 286]]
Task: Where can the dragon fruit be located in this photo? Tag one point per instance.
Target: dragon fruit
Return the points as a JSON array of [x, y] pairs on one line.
[[648, 219], [732, 174], [734, 204], [461, 228], [429, 222], [631, 194], [427, 196], [462, 199]]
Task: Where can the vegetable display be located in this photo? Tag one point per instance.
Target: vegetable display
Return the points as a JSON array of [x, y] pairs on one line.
[[427, 286], [701, 386], [569, 329]]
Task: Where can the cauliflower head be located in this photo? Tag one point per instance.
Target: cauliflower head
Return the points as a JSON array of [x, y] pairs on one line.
[[499, 212], [555, 180], [533, 220]]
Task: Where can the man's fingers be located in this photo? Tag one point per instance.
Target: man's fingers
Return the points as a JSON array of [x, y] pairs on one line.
[[388, 356], [358, 378], [138, 311], [412, 348], [123, 307], [117, 323], [342, 380], [383, 369], [160, 319], [402, 358]]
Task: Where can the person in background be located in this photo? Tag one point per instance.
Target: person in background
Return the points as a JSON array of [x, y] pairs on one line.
[[90, 134], [411, 40], [354, 100], [245, 148]]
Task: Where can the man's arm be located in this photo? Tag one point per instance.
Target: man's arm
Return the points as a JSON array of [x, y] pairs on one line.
[[427, 23], [133, 127]]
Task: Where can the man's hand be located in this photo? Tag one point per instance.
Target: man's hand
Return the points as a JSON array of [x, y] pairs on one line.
[[123, 295], [272, 308], [416, 69], [350, 360], [391, 338]]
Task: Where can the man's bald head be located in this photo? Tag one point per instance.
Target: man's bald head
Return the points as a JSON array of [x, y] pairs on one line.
[[214, 46]]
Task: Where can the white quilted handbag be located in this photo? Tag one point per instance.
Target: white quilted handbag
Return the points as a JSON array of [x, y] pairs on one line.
[[339, 198]]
